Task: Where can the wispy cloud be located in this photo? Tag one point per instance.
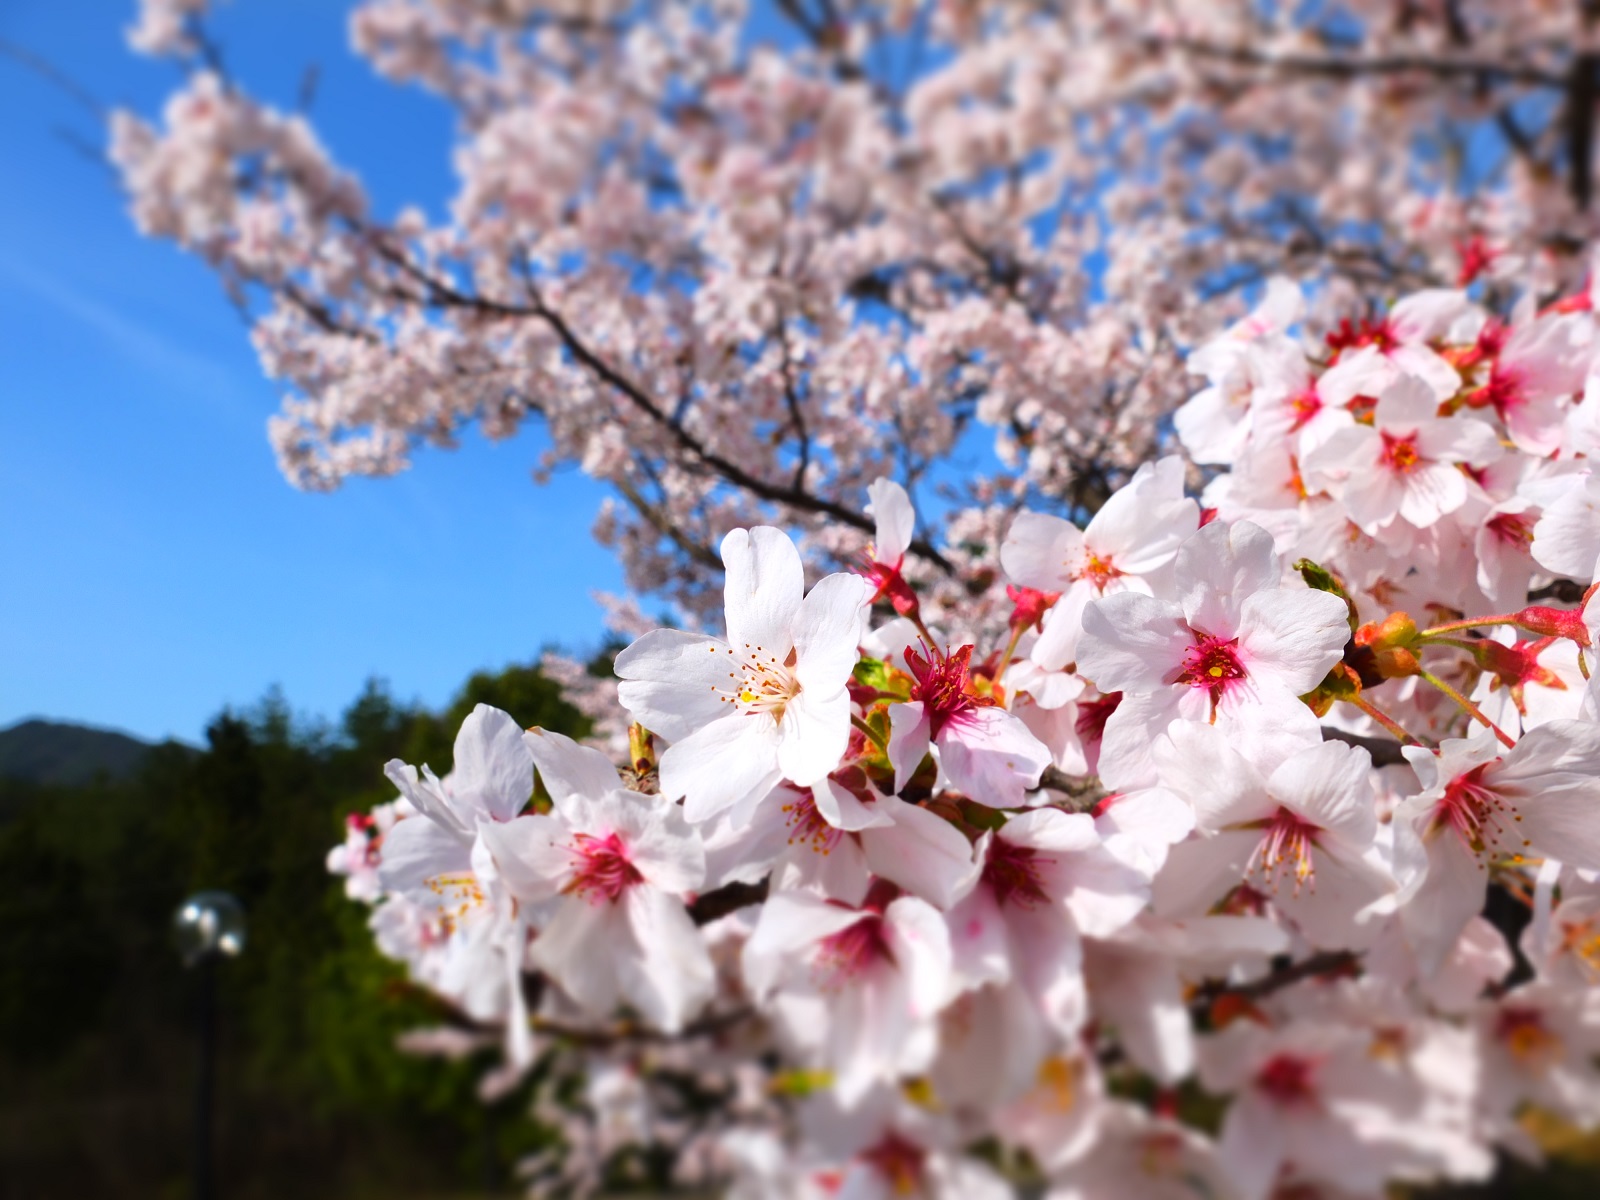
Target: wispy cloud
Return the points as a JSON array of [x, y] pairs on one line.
[[190, 376]]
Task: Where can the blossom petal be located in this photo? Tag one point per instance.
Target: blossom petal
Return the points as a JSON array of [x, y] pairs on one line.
[[674, 682], [725, 762], [670, 979], [762, 591]]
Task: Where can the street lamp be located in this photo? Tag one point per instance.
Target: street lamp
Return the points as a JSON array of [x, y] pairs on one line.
[[208, 926]]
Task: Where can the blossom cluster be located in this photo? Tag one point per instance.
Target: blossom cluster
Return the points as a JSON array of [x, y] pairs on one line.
[[1187, 878], [740, 259]]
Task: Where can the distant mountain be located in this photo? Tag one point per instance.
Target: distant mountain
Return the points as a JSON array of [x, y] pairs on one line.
[[52, 752]]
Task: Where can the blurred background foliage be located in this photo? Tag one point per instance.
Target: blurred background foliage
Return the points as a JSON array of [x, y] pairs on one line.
[[97, 1044]]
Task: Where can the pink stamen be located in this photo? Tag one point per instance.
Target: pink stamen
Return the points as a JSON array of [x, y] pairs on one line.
[[602, 872], [1212, 663], [1285, 847], [1013, 873], [1475, 812], [1289, 1080], [842, 957]]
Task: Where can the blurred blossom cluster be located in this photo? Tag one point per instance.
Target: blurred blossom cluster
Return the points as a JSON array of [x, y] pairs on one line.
[[1136, 835]]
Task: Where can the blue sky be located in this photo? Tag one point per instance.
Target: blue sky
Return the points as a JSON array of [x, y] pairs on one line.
[[157, 565]]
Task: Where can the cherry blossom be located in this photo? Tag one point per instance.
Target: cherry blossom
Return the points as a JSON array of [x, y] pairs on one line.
[[767, 703]]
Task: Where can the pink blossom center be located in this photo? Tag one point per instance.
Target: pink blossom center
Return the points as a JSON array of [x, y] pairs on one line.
[[758, 682], [1304, 406], [1400, 453], [1527, 1037], [1289, 1080], [1285, 850], [942, 686], [1514, 529], [1013, 873], [807, 826], [1097, 569], [1478, 815], [602, 871], [1212, 663], [844, 956], [899, 1162]]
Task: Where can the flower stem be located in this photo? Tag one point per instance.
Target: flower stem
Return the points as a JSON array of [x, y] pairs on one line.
[[1005, 659], [1384, 719], [1471, 709], [869, 733]]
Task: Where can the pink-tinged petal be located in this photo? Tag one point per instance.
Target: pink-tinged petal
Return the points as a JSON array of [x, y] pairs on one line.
[[1431, 491], [1333, 458], [1327, 909], [1252, 1146], [1104, 893], [1292, 637], [1443, 886], [1202, 871], [1405, 403], [532, 854], [1566, 538], [1427, 315], [921, 852], [920, 942], [417, 850], [1126, 759], [909, 739], [1047, 960], [827, 632], [762, 592], [1224, 787], [1459, 439], [569, 769], [1330, 785], [1140, 827], [992, 756], [866, 1036], [1142, 525], [1556, 747], [1372, 497], [1138, 995], [790, 923], [1561, 822], [580, 950], [426, 796], [1217, 568], [1049, 830], [894, 520], [843, 809], [674, 682], [813, 735], [1042, 551], [1421, 363], [1063, 628], [979, 943], [670, 978], [660, 843], [1131, 643], [493, 770], [716, 767]]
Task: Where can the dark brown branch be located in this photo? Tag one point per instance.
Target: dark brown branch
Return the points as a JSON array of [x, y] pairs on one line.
[[658, 521], [1577, 123], [1385, 751], [1083, 792], [1328, 962], [1352, 66], [443, 293], [730, 897], [632, 1031]]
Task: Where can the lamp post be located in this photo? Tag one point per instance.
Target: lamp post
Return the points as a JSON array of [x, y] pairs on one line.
[[209, 926]]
